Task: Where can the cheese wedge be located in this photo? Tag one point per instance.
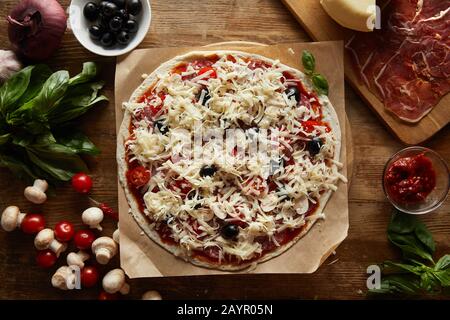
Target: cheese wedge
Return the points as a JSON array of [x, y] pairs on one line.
[[358, 15]]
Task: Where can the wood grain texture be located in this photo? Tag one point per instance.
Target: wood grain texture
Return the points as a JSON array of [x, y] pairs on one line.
[[321, 27], [173, 24]]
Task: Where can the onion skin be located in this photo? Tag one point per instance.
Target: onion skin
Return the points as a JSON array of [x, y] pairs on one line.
[[36, 28]]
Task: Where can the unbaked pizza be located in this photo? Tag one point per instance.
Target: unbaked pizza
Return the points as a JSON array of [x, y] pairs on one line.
[[227, 158]]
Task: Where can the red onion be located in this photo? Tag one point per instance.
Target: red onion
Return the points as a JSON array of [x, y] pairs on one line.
[[36, 28]]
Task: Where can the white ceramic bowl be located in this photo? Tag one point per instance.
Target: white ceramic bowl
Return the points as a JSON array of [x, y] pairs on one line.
[[79, 25]]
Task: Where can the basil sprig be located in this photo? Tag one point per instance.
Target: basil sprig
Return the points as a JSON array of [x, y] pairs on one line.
[[418, 273], [37, 130], [319, 82]]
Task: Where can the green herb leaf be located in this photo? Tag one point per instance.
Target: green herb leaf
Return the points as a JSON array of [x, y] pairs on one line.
[[395, 267], [14, 88], [36, 109], [425, 236], [320, 84], [443, 263], [410, 245], [78, 101], [77, 142], [4, 139], [309, 62], [394, 284], [39, 76], [89, 72], [18, 167]]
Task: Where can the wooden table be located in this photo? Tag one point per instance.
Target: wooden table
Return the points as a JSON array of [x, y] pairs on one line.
[[186, 23]]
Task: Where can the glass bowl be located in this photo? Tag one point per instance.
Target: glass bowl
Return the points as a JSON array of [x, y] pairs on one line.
[[437, 196]]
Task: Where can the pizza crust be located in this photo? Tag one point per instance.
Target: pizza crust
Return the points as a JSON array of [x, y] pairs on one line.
[[329, 114]]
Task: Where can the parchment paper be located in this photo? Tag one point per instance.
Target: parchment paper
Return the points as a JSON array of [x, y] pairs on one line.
[[141, 257]]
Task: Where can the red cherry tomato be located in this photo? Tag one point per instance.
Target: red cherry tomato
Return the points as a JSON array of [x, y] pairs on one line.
[[213, 73], [108, 296], [64, 231], [32, 223], [89, 276], [83, 239], [108, 211], [46, 258], [138, 176], [82, 183]]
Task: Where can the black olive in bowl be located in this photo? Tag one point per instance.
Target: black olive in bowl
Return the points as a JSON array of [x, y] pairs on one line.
[[134, 7], [91, 11]]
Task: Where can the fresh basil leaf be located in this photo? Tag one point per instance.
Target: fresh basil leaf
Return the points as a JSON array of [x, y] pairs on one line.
[[410, 246], [4, 139], [443, 263], [50, 95], [22, 139], [14, 88], [402, 223], [425, 236], [17, 167], [87, 74], [443, 276], [394, 284], [58, 161], [39, 76], [309, 62], [320, 84], [429, 282], [78, 142], [395, 267], [78, 102]]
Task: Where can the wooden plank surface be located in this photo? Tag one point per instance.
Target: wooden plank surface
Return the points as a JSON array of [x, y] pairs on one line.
[[173, 24], [321, 27]]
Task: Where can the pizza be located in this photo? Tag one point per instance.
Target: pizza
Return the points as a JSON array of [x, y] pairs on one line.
[[228, 158]]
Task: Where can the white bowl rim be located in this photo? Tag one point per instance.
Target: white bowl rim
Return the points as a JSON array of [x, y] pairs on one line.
[[114, 53]]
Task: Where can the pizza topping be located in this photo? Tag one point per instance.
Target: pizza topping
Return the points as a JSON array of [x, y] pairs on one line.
[[314, 146], [138, 177], [229, 231], [161, 126], [261, 199], [207, 171]]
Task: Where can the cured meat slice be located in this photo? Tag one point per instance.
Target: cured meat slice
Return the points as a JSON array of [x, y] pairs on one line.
[[406, 64]]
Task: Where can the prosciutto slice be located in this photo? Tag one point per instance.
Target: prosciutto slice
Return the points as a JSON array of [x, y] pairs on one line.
[[406, 64]]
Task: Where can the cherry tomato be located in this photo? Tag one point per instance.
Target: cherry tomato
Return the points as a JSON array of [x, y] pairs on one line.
[[108, 296], [64, 231], [46, 258], [213, 73], [32, 223], [108, 211], [89, 276], [83, 239], [138, 176], [82, 183]]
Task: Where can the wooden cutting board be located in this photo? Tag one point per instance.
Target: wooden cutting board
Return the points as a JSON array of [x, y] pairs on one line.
[[322, 28]]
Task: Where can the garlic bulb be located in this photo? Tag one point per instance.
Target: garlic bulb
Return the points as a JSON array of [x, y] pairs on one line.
[[9, 64]]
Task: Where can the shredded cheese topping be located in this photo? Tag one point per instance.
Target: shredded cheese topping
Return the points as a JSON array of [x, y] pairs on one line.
[[263, 192]]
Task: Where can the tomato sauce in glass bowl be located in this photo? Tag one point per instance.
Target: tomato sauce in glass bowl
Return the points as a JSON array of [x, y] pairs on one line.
[[416, 180]]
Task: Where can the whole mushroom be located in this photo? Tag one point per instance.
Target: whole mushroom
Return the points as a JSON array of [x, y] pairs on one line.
[[11, 218], [116, 235], [93, 217], [64, 278], [36, 192], [77, 259], [104, 249], [114, 281], [45, 239], [151, 295]]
